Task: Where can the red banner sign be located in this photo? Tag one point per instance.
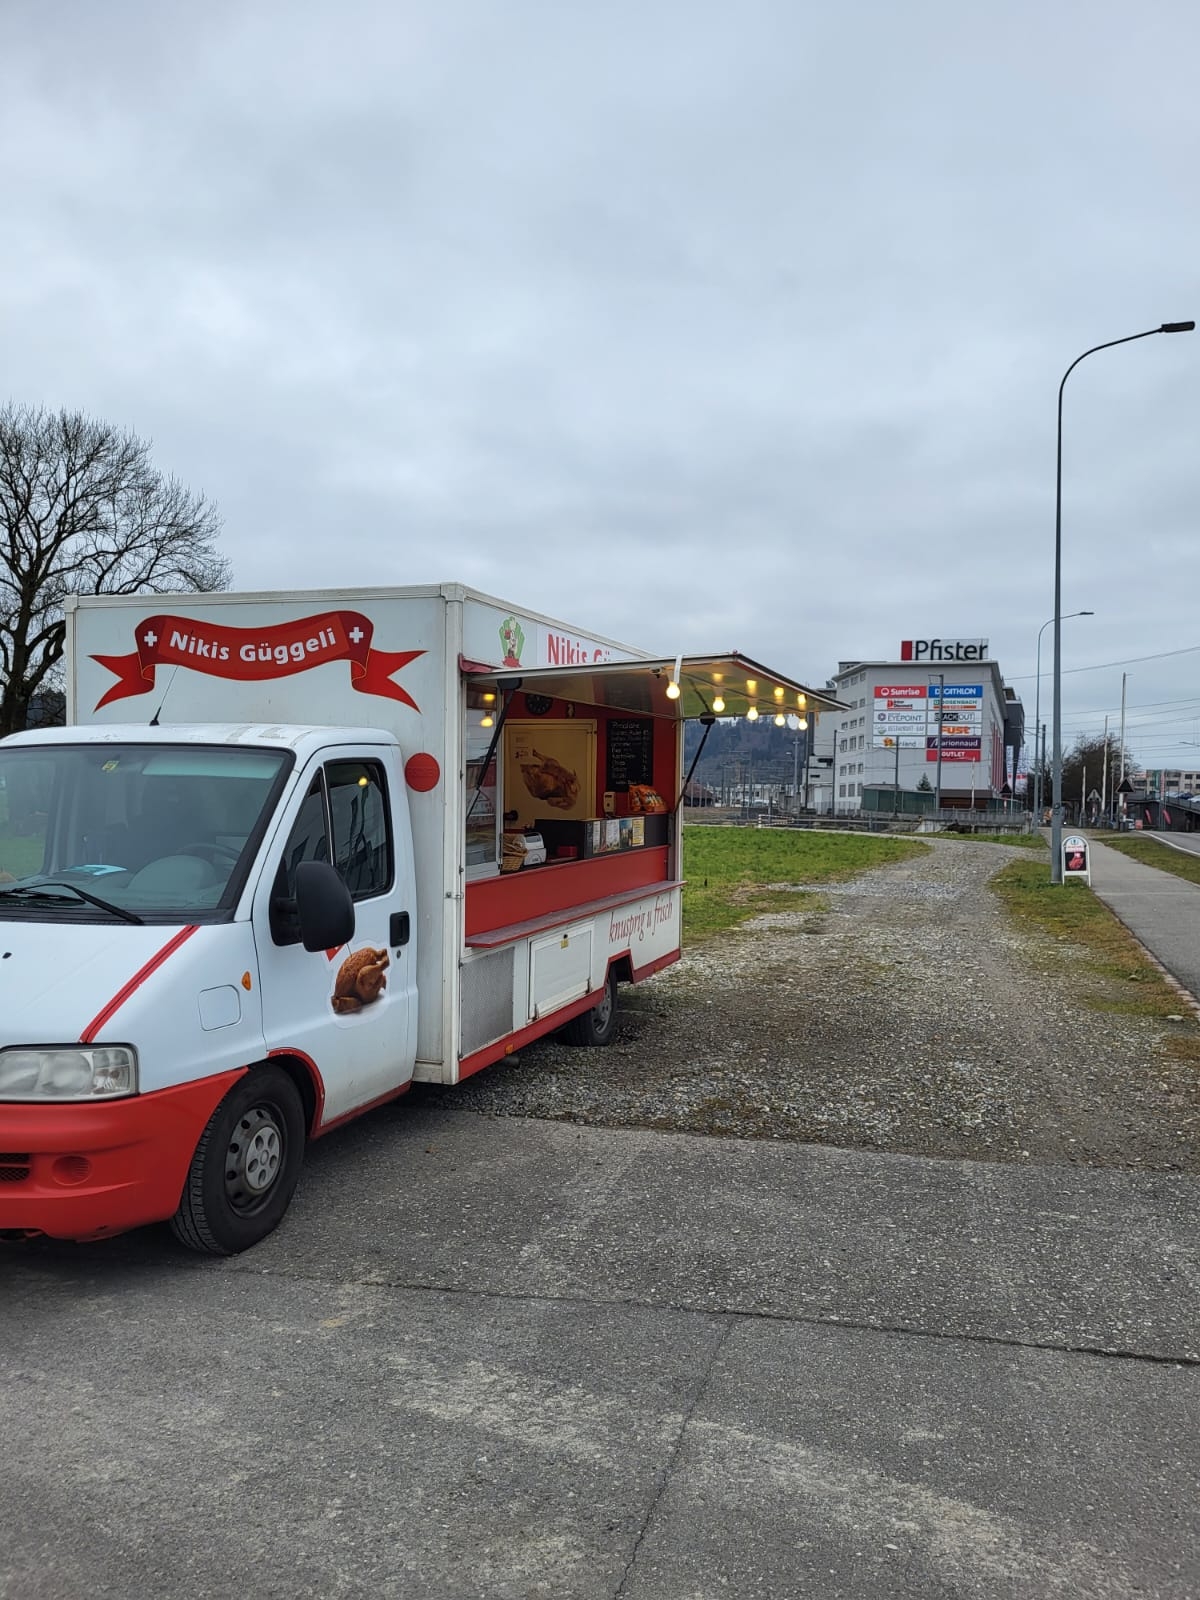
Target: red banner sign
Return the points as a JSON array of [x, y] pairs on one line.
[[250, 654]]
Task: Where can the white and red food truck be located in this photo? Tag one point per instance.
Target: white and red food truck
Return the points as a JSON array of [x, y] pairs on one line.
[[294, 851]]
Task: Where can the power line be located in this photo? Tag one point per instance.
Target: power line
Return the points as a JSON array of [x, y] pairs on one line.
[[1139, 705], [1102, 666]]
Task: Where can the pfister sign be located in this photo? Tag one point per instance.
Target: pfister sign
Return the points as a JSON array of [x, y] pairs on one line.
[[943, 650]]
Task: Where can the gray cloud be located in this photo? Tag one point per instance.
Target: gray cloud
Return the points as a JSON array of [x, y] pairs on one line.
[[702, 325]]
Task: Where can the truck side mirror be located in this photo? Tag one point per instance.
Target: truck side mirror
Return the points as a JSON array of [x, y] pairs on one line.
[[324, 907]]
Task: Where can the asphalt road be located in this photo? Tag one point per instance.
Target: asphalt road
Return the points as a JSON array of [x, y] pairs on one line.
[[1177, 841], [515, 1359]]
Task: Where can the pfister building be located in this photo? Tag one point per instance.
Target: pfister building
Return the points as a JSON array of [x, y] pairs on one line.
[[938, 721]]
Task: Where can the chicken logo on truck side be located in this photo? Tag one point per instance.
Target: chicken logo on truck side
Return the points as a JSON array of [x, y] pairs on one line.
[[361, 979], [246, 654]]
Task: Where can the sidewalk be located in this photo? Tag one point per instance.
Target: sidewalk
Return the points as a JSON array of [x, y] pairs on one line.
[[1163, 911]]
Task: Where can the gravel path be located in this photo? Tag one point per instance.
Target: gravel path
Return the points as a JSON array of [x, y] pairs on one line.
[[909, 1014]]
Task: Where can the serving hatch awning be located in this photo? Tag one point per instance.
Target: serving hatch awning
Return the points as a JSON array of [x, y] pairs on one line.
[[710, 685]]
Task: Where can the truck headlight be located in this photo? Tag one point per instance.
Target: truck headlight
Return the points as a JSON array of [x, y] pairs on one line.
[[98, 1072]]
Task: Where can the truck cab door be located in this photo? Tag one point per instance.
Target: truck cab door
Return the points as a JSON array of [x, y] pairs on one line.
[[351, 1012]]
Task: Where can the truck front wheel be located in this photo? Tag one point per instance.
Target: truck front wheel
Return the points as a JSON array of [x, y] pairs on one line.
[[599, 1025], [245, 1167]]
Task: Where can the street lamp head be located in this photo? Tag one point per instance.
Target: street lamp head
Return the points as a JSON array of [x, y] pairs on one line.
[[1177, 327], [1085, 613]]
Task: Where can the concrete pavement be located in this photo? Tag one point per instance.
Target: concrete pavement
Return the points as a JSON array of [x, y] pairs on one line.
[[520, 1359], [1160, 909]]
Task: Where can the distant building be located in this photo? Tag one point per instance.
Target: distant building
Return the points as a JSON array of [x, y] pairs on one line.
[[911, 720], [1166, 782]]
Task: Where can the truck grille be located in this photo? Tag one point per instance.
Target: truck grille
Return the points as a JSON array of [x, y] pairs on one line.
[[13, 1168]]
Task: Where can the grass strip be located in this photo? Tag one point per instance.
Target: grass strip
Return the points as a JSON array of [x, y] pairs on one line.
[[737, 873], [1107, 965], [1150, 854]]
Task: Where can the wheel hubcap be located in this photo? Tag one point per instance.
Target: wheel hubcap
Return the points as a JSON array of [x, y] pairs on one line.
[[254, 1157], [603, 1011]]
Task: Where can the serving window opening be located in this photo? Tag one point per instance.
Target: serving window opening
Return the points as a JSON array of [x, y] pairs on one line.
[[572, 795]]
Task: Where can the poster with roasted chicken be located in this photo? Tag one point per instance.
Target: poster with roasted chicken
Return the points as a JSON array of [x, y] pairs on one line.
[[549, 770]]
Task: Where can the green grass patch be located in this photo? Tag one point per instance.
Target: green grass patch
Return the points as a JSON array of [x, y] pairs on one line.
[[736, 873], [1139, 848], [1113, 973]]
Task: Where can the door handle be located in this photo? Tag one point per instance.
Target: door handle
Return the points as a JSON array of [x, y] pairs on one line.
[[398, 929]]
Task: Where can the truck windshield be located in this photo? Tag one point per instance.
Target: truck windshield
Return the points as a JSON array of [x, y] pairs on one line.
[[158, 830]]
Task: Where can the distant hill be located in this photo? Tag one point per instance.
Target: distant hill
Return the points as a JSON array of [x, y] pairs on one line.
[[741, 752]]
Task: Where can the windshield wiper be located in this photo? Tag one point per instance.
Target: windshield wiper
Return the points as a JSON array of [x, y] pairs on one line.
[[38, 891]]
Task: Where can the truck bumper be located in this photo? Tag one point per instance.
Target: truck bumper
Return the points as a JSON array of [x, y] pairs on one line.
[[86, 1171]]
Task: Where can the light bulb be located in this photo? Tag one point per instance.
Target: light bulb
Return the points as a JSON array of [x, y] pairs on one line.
[[802, 701], [779, 691], [486, 720], [780, 719], [751, 685], [672, 691], [752, 714], [718, 705], [488, 698], [803, 723]]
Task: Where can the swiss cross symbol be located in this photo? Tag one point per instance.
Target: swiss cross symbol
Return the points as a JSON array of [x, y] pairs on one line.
[[150, 639], [356, 634]]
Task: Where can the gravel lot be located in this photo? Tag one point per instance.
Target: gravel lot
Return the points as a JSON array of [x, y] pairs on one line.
[[902, 1012]]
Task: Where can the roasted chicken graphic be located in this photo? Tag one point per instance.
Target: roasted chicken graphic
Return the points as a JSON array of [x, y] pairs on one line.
[[548, 780], [360, 979]]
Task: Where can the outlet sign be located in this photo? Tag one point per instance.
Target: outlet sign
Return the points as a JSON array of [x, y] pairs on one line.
[[944, 650]]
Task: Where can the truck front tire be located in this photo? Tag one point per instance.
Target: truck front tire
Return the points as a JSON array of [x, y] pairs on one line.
[[245, 1167], [598, 1026]]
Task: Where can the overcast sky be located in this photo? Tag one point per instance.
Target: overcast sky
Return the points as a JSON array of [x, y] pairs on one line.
[[701, 325]]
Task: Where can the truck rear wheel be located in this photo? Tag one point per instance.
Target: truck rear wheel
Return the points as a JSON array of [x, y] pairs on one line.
[[599, 1025], [245, 1167]]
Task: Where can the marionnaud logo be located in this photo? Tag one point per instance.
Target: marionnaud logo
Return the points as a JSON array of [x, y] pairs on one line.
[[944, 650]]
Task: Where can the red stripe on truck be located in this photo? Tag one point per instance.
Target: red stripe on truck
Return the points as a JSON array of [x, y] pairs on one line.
[[106, 1013]]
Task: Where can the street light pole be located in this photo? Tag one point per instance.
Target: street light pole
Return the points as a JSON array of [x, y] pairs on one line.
[[1037, 710], [1056, 872]]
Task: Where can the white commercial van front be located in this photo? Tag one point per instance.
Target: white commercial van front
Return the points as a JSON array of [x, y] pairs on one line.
[[153, 958]]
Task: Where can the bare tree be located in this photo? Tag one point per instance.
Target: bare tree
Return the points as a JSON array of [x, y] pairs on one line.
[[1084, 769], [84, 511]]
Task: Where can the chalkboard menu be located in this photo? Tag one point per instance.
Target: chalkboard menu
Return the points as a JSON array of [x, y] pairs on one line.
[[630, 752]]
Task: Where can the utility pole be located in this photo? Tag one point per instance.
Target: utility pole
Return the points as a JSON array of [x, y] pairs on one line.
[[896, 782], [1104, 775], [1121, 779]]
